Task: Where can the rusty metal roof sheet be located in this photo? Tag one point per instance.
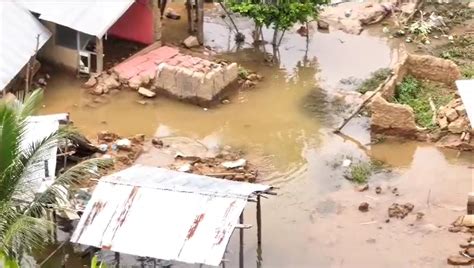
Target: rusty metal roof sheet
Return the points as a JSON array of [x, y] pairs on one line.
[[164, 214]]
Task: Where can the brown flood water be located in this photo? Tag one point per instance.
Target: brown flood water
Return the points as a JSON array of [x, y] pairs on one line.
[[314, 221]]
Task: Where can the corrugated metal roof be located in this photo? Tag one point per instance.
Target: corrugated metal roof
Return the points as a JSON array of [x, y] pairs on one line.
[[466, 90], [18, 32], [41, 174], [164, 214], [92, 17]]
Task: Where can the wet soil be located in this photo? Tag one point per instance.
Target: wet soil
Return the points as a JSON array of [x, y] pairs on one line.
[[314, 221]]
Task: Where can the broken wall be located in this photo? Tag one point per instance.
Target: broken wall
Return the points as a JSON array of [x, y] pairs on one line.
[[399, 119]]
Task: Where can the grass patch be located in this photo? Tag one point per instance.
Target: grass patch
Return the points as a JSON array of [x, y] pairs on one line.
[[243, 72], [417, 94], [361, 172], [375, 79]]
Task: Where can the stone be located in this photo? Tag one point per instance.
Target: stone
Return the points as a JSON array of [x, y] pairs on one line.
[[378, 190], [157, 142], [362, 188], [364, 207], [323, 25], [91, 82], [98, 90], [455, 229], [470, 252], [471, 4], [110, 82], [185, 168], [42, 82], [124, 144], [458, 126], [451, 114], [191, 41], [146, 92], [248, 84], [234, 164], [392, 118], [400, 211], [443, 122], [459, 260], [461, 110]]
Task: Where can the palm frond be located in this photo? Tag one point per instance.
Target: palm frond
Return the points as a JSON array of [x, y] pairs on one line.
[[59, 190], [25, 233], [31, 103]]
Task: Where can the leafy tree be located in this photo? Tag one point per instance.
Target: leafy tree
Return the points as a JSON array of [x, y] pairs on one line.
[[281, 15], [24, 226]]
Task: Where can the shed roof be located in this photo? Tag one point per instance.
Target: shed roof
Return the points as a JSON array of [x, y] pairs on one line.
[[18, 32], [466, 90], [92, 17], [164, 214], [42, 172]]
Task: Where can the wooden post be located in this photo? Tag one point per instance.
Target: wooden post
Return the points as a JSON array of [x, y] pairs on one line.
[[259, 221], [241, 243], [99, 49], [200, 21], [156, 19], [189, 6], [117, 259]]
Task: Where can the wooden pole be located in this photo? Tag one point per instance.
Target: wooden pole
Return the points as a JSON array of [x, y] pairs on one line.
[[156, 20], [99, 48], [190, 16], [338, 129], [241, 243], [200, 21], [259, 221]]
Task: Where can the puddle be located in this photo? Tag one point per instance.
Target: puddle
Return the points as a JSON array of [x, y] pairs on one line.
[[314, 222]]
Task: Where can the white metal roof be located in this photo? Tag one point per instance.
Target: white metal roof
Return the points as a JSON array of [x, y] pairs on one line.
[[92, 17], [18, 32], [466, 90], [40, 175], [164, 214]]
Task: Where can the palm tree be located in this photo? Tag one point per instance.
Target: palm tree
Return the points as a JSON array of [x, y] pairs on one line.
[[24, 226]]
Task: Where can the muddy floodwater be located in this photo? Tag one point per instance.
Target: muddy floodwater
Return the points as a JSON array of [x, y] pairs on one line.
[[285, 125]]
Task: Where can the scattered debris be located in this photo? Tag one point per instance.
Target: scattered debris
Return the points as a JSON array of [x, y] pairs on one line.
[[346, 162], [171, 14], [362, 188], [146, 92], [459, 260], [191, 41], [364, 207], [378, 190], [91, 82], [235, 164], [400, 211]]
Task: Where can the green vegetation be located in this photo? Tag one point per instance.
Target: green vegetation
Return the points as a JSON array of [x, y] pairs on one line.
[[280, 15], [461, 51], [24, 226], [243, 72], [360, 173], [375, 79], [417, 95]]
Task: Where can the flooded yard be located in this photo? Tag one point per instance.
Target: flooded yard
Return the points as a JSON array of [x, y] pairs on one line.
[[314, 221]]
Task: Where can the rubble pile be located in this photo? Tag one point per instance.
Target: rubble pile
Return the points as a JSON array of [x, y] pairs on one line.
[[400, 211], [229, 166], [465, 256], [124, 150], [103, 83], [454, 124]]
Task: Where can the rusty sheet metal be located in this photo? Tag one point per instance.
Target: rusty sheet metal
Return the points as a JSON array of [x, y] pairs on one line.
[[169, 215]]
